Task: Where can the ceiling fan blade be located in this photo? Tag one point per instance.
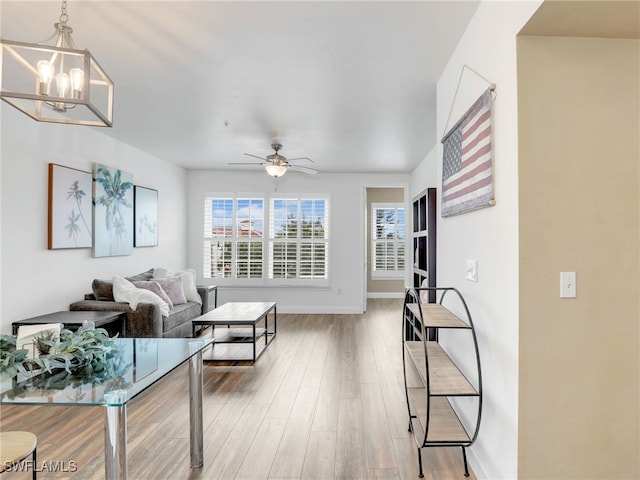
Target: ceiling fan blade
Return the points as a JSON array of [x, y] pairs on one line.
[[245, 163], [299, 158], [255, 156], [298, 168]]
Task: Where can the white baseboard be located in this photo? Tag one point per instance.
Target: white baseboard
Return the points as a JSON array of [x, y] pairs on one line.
[[320, 310], [475, 465], [385, 294]]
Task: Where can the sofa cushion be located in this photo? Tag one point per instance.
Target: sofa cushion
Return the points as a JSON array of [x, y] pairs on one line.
[[125, 291], [180, 314], [141, 276], [103, 289]]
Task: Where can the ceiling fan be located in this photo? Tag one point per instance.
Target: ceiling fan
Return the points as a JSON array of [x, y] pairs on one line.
[[277, 165]]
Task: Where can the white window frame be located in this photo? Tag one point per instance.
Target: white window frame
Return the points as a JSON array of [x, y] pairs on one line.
[[267, 241], [398, 241], [299, 243], [232, 237]]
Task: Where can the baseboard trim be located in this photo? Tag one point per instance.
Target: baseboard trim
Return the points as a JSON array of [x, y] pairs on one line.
[[320, 310], [385, 294]]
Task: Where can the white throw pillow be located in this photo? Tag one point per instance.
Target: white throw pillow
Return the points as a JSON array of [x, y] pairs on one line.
[[188, 281], [125, 291]]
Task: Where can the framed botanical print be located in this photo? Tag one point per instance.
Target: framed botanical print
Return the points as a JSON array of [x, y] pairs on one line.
[[112, 211], [69, 213], [145, 207]]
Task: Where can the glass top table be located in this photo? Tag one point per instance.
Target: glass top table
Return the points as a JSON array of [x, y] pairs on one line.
[[136, 365]]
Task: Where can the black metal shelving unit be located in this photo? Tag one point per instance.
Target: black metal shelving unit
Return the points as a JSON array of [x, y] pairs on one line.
[[424, 244], [433, 381]]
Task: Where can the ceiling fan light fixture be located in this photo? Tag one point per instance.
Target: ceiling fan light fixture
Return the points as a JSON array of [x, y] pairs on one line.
[[275, 170], [81, 94]]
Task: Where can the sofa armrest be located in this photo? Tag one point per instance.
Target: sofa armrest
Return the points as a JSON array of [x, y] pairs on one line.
[[204, 295], [144, 321]]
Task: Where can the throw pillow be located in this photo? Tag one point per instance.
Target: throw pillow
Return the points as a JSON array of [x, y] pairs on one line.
[[140, 277], [125, 291], [102, 290], [173, 288], [188, 277], [155, 288]]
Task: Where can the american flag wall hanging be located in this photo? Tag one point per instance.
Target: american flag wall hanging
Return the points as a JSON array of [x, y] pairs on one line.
[[467, 161]]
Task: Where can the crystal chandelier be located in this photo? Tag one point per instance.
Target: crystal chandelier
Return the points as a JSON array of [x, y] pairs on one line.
[[57, 83]]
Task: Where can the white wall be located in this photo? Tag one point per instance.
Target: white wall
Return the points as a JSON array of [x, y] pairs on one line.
[[424, 175], [489, 236], [36, 280], [345, 294]]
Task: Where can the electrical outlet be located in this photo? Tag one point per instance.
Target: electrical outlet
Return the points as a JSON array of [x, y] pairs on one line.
[[567, 284], [472, 270]]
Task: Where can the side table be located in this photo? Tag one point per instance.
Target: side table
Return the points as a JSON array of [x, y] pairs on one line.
[[113, 322], [211, 289]]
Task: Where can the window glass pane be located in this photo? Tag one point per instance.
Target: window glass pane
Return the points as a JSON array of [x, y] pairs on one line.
[[284, 213], [401, 223], [313, 218], [222, 217], [250, 215]]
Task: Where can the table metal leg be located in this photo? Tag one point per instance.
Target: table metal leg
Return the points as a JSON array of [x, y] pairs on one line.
[[254, 341], [115, 442], [195, 409]]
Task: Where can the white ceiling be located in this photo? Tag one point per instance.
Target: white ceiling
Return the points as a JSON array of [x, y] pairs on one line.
[[197, 83]]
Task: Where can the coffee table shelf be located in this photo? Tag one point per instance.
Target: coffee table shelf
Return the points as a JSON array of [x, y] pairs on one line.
[[241, 330]]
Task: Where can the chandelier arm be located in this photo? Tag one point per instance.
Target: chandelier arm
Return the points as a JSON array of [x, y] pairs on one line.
[[67, 37], [49, 38]]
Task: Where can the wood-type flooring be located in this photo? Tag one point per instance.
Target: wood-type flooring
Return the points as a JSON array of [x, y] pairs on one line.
[[324, 401]]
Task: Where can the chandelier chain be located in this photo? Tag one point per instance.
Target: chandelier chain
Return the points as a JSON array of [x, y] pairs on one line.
[[63, 16]]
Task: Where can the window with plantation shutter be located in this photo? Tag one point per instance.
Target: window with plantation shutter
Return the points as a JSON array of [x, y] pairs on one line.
[[292, 245], [299, 238], [233, 237], [388, 240]]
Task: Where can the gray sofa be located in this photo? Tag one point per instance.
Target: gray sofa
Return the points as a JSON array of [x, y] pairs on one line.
[[146, 320]]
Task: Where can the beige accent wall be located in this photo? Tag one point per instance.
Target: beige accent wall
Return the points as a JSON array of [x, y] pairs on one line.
[[579, 210], [382, 195]]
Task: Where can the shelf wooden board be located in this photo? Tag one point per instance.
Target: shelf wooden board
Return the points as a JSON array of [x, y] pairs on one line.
[[437, 316], [413, 377], [444, 425], [445, 377], [232, 352], [225, 334]]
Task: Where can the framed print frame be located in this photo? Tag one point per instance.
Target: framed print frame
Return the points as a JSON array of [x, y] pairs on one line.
[[69, 215], [112, 211], [145, 207]]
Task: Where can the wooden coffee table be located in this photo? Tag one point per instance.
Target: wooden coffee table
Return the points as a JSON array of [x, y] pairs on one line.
[[241, 330], [113, 322]]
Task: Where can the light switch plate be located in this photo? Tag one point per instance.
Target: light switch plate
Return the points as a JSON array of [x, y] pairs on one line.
[[567, 284], [472, 270]]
